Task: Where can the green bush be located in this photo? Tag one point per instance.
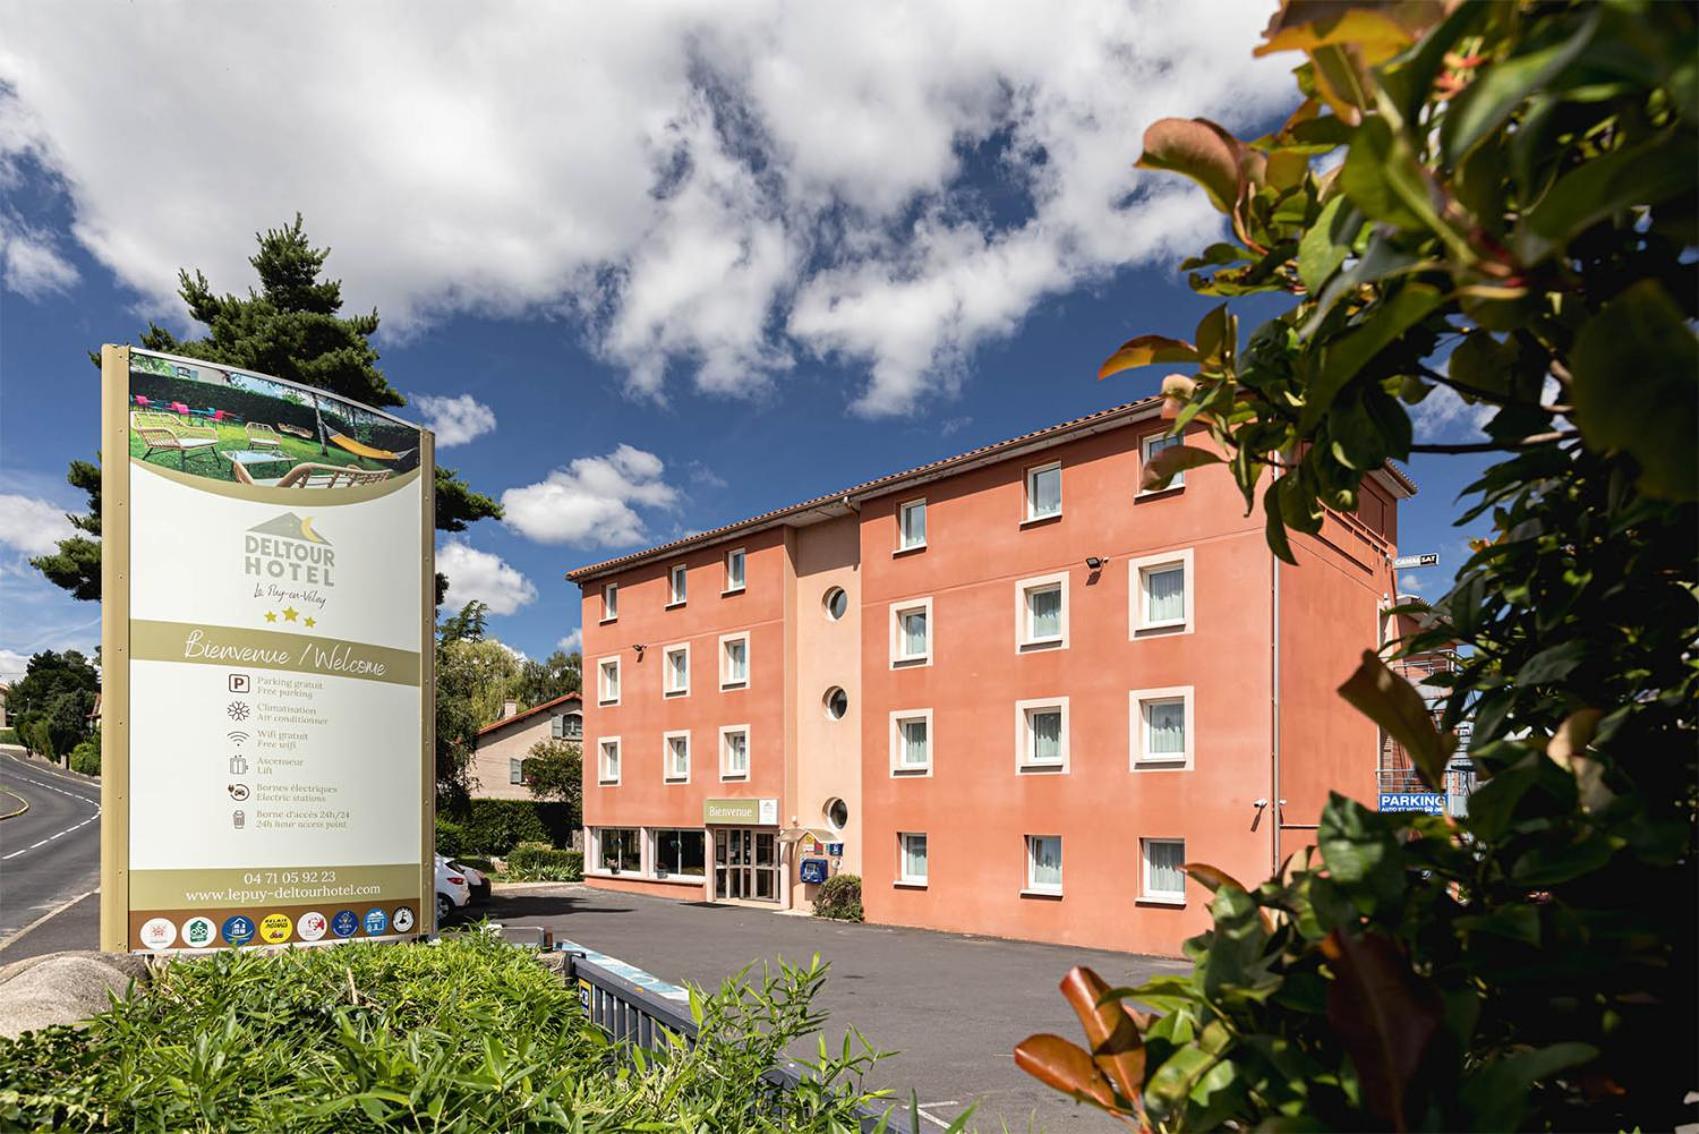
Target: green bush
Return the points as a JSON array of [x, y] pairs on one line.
[[496, 826], [451, 838], [9, 736], [476, 862], [466, 1034], [539, 862], [85, 758], [839, 898]]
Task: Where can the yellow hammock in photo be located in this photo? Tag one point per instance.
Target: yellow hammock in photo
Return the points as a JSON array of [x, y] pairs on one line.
[[366, 451]]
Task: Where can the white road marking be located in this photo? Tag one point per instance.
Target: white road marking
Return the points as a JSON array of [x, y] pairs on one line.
[[58, 834]]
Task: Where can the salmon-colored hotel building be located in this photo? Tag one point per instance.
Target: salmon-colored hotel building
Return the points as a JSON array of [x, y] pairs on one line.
[[1008, 689]]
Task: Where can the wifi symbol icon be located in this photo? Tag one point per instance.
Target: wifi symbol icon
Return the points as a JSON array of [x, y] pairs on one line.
[[238, 737]]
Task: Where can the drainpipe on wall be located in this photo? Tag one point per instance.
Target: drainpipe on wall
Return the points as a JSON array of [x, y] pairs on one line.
[[1274, 716]]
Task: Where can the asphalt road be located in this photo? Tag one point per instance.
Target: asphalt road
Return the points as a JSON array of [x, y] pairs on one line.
[[953, 1007], [50, 853]]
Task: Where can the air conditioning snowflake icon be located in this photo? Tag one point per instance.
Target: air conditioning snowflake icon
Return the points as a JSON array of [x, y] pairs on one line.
[[238, 710]]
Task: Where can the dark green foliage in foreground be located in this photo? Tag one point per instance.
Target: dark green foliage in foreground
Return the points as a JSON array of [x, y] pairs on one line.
[[469, 1035], [50, 704], [496, 826], [839, 898], [539, 862]]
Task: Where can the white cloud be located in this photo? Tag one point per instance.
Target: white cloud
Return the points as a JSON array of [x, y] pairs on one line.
[[481, 576], [455, 420], [1444, 415], [593, 501], [32, 526], [13, 665], [1410, 584], [717, 193], [573, 643], [32, 264]]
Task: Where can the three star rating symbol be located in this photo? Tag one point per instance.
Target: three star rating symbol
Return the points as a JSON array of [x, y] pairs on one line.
[[290, 614]]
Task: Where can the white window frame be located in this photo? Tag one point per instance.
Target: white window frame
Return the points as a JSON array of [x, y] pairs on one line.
[[593, 860], [1138, 625], [678, 585], [515, 769], [602, 664], [602, 776], [748, 661], [1148, 446], [1140, 759], [902, 511], [742, 555], [900, 660], [900, 770], [667, 653], [1028, 515], [1159, 897], [748, 753], [667, 774], [652, 851], [1024, 735], [904, 878], [1032, 885], [610, 602], [1024, 641]]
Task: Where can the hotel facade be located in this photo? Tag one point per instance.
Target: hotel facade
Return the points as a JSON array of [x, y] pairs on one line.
[[1008, 689]]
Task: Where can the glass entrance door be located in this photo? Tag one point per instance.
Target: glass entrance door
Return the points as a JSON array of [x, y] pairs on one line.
[[746, 864]]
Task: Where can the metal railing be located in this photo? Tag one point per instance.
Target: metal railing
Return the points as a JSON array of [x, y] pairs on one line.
[[629, 1013]]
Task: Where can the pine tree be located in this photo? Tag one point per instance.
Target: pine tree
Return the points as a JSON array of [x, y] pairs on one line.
[[290, 328]]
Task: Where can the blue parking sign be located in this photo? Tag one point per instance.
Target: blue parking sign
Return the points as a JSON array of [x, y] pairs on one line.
[[1432, 802]]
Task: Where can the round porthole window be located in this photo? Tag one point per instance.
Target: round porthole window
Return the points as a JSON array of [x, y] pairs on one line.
[[837, 603], [837, 703], [837, 814]]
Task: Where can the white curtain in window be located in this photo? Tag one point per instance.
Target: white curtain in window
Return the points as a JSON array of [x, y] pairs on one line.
[[734, 569], [1165, 728], [610, 760], [914, 856], [1046, 853], [914, 742], [610, 682], [676, 670], [1047, 737], [1163, 872], [680, 752], [737, 752], [914, 525], [737, 662], [1046, 612], [1166, 594], [1047, 492], [914, 633]]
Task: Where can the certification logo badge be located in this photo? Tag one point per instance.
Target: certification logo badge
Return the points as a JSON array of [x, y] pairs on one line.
[[275, 928], [200, 933], [346, 923], [239, 930], [311, 926], [403, 920], [376, 922], [159, 933]]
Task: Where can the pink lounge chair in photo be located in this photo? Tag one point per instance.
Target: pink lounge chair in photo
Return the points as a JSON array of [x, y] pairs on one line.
[[142, 402], [180, 409]]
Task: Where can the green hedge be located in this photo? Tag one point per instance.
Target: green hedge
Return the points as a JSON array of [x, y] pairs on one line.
[[539, 862], [496, 826], [839, 898], [85, 758], [9, 736]]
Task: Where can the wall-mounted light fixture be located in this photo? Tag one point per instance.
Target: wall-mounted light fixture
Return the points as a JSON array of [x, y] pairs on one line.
[[1096, 562], [639, 647]]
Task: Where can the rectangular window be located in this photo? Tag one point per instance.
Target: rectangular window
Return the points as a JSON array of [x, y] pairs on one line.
[[734, 661], [1044, 491], [676, 757], [734, 752], [1164, 876], [911, 632], [911, 850], [1044, 864], [619, 850], [515, 770], [610, 601], [1153, 445], [675, 585], [911, 742], [680, 854], [1041, 613], [572, 727], [911, 525], [557, 727], [608, 761], [1041, 735], [1160, 725], [1161, 593], [675, 671], [608, 681], [734, 570]]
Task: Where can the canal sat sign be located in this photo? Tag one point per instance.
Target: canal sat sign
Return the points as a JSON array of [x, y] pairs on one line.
[[267, 706]]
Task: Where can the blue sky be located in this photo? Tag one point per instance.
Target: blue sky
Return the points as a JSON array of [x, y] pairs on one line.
[[731, 264]]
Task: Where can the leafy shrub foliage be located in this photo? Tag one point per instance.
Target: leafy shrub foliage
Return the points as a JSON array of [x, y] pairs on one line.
[[839, 898], [8, 736], [539, 862], [1513, 220], [496, 826], [469, 1034], [451, 837], [85, 757]]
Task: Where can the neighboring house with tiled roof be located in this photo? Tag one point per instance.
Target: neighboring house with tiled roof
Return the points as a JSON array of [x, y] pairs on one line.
[[498, 756]]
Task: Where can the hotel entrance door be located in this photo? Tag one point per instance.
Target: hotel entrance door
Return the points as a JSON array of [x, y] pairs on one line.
[[746, 864]]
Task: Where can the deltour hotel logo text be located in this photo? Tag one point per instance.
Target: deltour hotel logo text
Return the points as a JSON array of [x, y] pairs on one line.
[[286, 549]]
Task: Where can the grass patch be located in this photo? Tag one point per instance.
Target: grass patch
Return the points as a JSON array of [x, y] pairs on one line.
[[232, 438]]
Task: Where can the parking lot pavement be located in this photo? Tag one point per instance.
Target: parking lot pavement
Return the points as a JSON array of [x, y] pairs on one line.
[[952, 1007]]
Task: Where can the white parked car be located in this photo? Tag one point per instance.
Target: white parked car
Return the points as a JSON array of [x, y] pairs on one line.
[[476, 880], [452, 891]]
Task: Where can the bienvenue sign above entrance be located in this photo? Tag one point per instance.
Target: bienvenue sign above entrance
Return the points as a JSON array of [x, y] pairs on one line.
[[741, 812], [267, 700]]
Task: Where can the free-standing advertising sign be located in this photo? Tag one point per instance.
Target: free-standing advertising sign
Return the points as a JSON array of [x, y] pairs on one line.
[[267, 585]]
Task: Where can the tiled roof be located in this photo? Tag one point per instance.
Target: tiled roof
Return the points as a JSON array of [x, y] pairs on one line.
[[529, 713]]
